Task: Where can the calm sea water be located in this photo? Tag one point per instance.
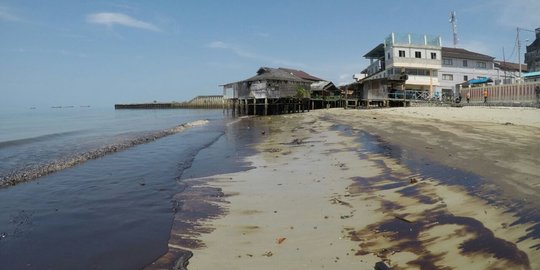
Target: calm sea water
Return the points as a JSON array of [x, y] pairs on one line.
[[113, 212]]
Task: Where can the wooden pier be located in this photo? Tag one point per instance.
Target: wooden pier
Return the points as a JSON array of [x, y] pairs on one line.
[[199, 102], [266, 106]]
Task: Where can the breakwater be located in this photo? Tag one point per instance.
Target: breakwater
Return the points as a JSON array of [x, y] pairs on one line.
[[199, 102]]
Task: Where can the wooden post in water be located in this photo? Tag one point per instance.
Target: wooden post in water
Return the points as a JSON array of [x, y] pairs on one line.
[[265, 106]]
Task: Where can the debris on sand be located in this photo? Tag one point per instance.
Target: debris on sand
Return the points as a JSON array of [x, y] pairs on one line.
[[280, 240], [402, 219], [268, 254], [382, 266]]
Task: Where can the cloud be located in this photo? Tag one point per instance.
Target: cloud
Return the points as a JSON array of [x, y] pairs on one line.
[[110, 19], [250, 55], [8, 16], [262, 34], [47, 51]]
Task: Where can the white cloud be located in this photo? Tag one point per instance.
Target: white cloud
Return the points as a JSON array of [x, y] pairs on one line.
[[63, 52], [250, 55], [7, 15], [110, 19], [218, 45]]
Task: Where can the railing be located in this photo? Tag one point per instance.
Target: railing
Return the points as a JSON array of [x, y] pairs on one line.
[[410, 95], [327, 98]]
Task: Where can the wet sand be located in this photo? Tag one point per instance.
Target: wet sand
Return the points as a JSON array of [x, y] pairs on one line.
[[418, 188]]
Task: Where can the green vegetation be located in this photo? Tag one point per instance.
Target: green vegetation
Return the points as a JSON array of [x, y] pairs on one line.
[[301, 93]]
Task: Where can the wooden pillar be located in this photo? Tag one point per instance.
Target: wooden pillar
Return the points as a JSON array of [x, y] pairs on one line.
[[254, 106], [265, 106]]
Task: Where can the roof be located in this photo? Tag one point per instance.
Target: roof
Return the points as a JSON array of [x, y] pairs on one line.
[[464, 54], [266, 73], [301, 74], [376, 52], [323, 86], [510, 66]]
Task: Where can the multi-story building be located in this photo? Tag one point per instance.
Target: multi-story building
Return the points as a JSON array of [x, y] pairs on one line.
[[508, 72], [532, 57], [418, 56], [460, 65]]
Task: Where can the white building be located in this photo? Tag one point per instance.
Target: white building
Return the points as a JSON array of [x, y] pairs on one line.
[[460, 65], [419, 56]]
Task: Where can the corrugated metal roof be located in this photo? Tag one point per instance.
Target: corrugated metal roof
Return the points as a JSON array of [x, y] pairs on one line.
[[510, 66], [301, 74], [266, 73], [464, 54]]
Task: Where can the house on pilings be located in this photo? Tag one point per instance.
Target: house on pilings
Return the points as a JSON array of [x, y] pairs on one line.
[[271, 91]]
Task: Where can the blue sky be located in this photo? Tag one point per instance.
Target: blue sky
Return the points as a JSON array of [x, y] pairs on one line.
[[104, 52]]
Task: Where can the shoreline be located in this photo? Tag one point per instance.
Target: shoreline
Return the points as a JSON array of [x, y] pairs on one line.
[[40, 170], [358, 202]]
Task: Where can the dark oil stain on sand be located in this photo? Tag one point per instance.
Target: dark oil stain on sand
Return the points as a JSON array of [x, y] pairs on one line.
[[405, 236]]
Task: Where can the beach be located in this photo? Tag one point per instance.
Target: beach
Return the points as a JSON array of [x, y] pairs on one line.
[[415, 188]]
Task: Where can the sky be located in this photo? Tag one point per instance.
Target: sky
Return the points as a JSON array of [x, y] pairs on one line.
[[98, 53]]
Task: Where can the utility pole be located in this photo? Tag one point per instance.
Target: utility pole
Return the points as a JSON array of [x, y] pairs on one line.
[[504, 65], [519, 55], [519, 48]]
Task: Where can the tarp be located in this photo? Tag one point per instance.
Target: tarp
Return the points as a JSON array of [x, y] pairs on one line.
[[479, 81], [531, 74]]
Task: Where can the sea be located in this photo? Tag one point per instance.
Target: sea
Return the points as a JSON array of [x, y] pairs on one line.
[[111, 211]]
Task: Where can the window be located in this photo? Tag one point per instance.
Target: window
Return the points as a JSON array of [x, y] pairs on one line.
[[433, 55], [401, 53], [465, 78], [481, 64], [465, 63], [448, 77], [418, 54], [447, 61], [389, 56]]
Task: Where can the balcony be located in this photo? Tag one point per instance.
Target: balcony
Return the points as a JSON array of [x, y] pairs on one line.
[[407, 62], [413, 40], [375, 67]]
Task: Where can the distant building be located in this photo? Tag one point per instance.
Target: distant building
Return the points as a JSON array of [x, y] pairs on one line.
[[460, 66], [273, 83], [418, 56], [532, 56], [508, 72]]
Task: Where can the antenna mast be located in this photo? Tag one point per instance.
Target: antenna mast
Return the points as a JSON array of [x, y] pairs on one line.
[[453, 21]]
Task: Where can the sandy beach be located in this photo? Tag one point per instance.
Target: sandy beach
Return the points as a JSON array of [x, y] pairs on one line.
[[417, 188]]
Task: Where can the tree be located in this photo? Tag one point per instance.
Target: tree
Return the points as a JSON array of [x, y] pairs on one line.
[[301, 93]]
